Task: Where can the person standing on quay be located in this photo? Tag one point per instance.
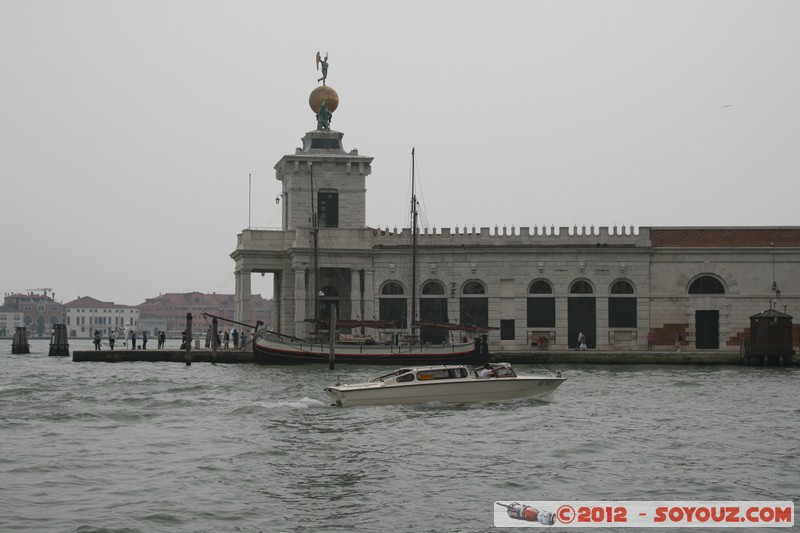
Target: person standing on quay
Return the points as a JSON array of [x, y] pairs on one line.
[[133, 339], [226, 340], [235, 338], [678, 339], [112, 338], [162, 339], [97, 339], [144, 339], [650, 338]]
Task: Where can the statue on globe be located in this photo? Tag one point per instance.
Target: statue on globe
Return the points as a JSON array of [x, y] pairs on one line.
[[324, 63], [324, 117]]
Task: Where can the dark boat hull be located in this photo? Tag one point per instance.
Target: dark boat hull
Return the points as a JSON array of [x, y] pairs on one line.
[[267, 352]]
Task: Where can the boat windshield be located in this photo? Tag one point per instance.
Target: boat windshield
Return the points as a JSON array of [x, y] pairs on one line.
[[394, 374], [505, 372]]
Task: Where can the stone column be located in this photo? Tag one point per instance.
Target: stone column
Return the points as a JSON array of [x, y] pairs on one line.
[[370, 311], [244, 305], [562, 324], [355, 297], [299, 302]]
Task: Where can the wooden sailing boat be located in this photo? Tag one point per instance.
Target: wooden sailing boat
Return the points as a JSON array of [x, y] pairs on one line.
[[273, 348]]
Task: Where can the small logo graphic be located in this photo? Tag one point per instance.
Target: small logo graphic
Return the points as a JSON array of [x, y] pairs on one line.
[[518, 511]]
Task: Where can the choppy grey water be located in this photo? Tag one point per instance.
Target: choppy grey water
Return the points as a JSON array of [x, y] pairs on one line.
[[164, 447]]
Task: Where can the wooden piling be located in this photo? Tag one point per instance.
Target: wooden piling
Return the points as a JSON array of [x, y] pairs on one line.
[[59, 346], [20, 342]]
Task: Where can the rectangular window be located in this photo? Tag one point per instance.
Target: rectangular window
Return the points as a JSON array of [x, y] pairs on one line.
[[507, 330], [328, 208]]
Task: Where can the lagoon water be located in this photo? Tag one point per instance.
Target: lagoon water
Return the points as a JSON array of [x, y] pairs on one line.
[[157, 447]]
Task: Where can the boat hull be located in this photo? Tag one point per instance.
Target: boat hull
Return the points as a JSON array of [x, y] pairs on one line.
[[278, 351], [469, 391]]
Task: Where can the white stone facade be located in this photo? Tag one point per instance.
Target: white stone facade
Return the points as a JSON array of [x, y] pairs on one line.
[[664, 269]]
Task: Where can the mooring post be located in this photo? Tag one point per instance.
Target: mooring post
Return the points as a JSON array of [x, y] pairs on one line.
[[59, 346], [214, 340], [20, 342], [188, 339]]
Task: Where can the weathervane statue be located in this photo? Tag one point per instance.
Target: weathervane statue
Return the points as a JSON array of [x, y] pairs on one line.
[[323, 100], [324, 63]]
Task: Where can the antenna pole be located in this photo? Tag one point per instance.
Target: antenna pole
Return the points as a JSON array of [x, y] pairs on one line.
[[249, 197]]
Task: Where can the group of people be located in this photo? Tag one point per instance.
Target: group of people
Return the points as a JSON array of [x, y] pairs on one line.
[[132, 337], [540, 343], [226, 338]]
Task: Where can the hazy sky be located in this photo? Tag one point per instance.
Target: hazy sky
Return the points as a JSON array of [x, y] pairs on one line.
[[128, 128]]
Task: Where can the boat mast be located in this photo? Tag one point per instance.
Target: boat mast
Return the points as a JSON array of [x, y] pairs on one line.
[[413, 249]]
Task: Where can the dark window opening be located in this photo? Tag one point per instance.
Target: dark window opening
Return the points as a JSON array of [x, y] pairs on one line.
[[622, 312], [328, 202], [541, 312], [507, 330]]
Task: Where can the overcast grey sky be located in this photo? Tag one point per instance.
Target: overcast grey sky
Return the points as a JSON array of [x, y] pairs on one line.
[[128, 128]]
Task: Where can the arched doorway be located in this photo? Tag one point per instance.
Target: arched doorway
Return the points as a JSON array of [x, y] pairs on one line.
[[706, 320], [433, 308], [393, 304], [474, 305], [581, 314]]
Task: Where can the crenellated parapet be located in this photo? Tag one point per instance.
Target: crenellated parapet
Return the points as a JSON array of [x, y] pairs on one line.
[[522, 236]]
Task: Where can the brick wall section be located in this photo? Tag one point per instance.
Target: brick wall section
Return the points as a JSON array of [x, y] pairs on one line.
[[666, 336], [725, 237]]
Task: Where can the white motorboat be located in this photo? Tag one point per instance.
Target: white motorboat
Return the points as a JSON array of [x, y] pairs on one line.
[[445, 384]]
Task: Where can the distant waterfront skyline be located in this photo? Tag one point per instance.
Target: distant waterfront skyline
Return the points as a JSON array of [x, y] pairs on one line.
[[138, 141]]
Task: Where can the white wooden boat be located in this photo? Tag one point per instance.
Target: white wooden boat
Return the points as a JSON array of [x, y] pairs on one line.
[[445, 384]]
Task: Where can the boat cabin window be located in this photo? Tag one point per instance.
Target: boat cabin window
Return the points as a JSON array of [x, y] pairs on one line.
[[406, 377], [442, 373]]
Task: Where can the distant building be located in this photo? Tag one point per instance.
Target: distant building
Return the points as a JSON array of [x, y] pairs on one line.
[[10, 319], [87, 314], [39, 312], [171, 309]]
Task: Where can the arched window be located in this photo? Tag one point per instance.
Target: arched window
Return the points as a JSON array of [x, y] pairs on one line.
[[473, 287], [541, 305], [474, 305], [392, 289], [431, 288], [393, 304], [581, 287], [706, 285], [622, 305], [541, 287], [621, 287]]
